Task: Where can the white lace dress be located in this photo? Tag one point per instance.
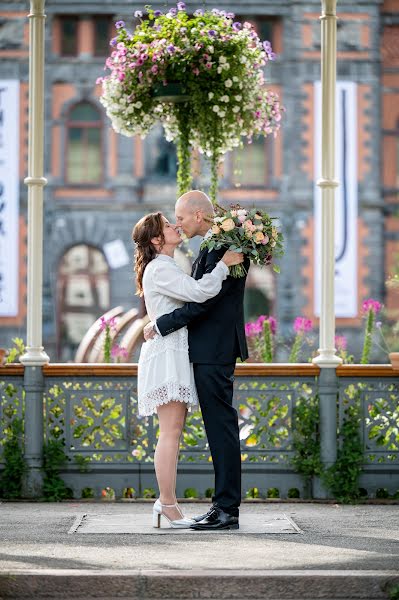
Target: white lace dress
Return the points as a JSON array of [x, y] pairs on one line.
[[165, 372]]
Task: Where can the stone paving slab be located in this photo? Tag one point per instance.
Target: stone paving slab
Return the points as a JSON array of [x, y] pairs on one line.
[[118, 523], [334, 537], [188, 585]]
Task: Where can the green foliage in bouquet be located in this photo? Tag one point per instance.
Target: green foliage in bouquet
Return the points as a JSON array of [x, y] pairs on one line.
[[215, 61], [250, 231]]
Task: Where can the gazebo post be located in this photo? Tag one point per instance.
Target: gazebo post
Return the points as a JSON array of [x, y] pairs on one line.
[[35, 356], [328, 183], [327, 358]]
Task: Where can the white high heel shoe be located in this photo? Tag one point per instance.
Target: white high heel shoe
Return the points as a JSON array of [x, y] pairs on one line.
[[176, 524]]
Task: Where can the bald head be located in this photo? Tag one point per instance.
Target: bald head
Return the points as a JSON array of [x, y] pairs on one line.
[[196, 200], [194, 213]]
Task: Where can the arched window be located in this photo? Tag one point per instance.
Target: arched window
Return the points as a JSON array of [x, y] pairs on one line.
[[83, 294], [84, 151]]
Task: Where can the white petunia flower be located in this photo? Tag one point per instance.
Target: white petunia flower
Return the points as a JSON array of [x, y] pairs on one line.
[[210, 95], [215, 108], [222, 60], [228, 83]]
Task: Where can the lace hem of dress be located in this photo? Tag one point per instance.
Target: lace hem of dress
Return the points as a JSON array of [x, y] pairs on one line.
[[167, 392]]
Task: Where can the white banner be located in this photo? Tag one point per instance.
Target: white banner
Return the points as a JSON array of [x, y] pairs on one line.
[[346, 201], [9, 197]]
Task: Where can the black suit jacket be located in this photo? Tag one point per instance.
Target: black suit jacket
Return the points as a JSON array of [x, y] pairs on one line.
[[216, 333]]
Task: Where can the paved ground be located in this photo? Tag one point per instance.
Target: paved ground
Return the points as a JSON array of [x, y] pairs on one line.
[[35, 536]]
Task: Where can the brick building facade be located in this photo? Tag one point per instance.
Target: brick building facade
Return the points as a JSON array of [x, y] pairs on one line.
[[100, 183]]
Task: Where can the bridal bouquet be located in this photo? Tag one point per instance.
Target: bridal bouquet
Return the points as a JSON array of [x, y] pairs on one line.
[[248, 231]]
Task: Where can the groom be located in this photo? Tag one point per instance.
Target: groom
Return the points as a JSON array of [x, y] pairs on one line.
[[216, 338]]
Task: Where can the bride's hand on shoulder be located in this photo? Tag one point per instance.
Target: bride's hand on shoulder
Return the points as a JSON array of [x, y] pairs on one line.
[[231, 258]]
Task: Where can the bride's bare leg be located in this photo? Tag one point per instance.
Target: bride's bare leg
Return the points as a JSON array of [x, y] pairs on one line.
[[171, 422]]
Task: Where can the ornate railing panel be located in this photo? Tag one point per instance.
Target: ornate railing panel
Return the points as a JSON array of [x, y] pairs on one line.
[[379, 413], [93, 409]]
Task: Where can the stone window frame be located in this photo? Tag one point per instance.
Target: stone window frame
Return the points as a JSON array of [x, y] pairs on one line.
[[61, 19], [111, 31], [100, 125]]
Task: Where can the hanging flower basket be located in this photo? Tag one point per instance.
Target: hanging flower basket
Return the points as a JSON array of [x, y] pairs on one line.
[[201, 75]]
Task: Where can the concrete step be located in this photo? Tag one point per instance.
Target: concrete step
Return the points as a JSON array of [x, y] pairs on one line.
[[185, 585]]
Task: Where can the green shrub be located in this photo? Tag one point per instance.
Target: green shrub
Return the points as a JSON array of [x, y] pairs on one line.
[[394, 592], [273, 493], [14, 462], [54, 458], [149, 493], [87, 492], [209, 492], [252, 493], [128, 492], [293, 493], [382, 493], [191, 493]]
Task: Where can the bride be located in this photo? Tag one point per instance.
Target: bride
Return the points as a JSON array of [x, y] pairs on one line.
[[165, 376]]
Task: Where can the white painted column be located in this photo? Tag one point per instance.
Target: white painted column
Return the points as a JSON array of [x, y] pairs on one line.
[[35, 181], [328, 183]]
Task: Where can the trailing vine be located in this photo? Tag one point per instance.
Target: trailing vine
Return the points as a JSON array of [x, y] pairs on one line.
[[306, 460], [15, 465], [184, 175], [342, 478], [54, 458]]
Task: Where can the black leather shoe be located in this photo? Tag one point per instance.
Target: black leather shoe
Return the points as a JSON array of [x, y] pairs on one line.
[[199, 518], [215, 520]]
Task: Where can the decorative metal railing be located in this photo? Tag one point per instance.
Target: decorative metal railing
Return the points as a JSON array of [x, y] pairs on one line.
[[93, 409]]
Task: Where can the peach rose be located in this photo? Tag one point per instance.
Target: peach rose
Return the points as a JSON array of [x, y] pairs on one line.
[[258, 237], [233, 213], [215, 229], [227, 225], [249, 226]]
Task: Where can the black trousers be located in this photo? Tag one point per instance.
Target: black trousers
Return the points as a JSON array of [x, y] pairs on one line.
[[215, 392]]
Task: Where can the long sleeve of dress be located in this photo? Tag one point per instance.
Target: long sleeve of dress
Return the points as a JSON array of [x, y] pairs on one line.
[[170, 280]]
